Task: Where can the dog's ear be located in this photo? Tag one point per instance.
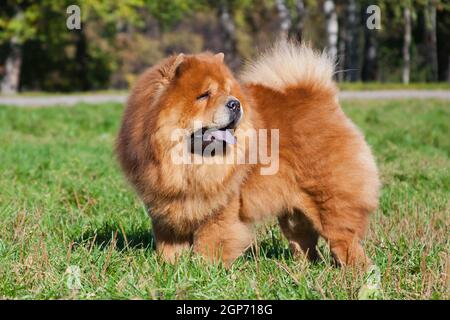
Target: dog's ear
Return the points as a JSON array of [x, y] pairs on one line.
[[173, 69], [219, 56]]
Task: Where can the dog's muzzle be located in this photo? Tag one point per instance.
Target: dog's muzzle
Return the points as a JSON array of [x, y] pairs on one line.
[[234, 107]]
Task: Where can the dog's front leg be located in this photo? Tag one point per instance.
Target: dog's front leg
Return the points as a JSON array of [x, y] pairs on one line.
[[169, 244], [224, 236]]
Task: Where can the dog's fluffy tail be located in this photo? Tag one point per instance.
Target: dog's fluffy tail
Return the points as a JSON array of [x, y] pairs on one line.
[[290, 65]]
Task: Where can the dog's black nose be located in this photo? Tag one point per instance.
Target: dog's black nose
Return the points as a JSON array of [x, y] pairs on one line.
[[233, 104]]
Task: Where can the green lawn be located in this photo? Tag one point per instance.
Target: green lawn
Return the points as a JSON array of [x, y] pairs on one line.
[[65, 205]]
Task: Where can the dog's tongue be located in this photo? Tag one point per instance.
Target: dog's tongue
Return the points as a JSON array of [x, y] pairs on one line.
[[221, 135]]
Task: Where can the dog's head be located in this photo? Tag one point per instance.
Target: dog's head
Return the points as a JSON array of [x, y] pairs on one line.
[[187, 103], [202, 97]]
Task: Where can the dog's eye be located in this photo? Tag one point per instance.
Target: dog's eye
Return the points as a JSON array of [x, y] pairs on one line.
[[203, 95]]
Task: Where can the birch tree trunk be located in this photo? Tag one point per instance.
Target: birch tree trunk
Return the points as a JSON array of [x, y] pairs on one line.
[[10, 81], [352, 42], [301, 14], [448, 70], [229, 29], [430, 33], [406, 45], [342, 61], [369, 71], [332, 27], [284, 18], [81, 58]]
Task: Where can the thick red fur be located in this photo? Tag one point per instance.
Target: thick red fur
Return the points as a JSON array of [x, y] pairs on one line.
[[327, 183]]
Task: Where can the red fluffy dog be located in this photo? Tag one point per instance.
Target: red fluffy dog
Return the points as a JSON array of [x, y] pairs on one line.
[[326, 183]]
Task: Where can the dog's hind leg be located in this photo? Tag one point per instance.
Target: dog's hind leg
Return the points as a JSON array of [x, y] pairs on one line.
[[344, 234], [300, 232]]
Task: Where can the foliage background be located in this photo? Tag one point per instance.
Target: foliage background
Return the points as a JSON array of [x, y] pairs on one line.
[[118, 39]]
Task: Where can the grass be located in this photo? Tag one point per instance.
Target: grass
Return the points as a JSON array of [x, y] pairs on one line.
[[66, 210]]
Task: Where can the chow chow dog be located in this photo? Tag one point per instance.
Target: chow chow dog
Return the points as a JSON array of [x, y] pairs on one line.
[[326, 183]]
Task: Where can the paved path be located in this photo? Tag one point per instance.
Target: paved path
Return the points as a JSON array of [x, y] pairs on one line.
[[68, 100], [63, 100], [396, 94]]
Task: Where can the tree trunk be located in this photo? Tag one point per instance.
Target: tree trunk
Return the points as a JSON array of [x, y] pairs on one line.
[[431, 41], [369, 71], [81, 57], [448, 70], [352, 42], [406, 45], [284, 18], [229, 29], [10, 81], [332, 27], [342, 61], [301, 13]]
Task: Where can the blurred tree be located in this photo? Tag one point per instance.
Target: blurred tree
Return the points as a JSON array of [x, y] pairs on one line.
[[300, 24], [431, 39], [370, 56], [332, 27], [342, 42], [406, 43], [169, 12], [10, 81], [18, 24], [284, 18], [40, 27], [224, 12], [100, 44], [443, 34], [119, 39], [352, 26]]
